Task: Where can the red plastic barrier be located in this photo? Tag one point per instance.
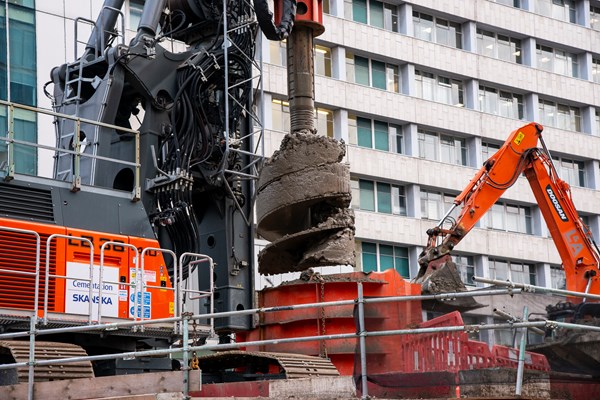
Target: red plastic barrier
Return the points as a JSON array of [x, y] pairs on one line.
[[508, 357]]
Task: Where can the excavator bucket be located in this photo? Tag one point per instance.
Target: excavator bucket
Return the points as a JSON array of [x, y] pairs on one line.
[[442, 276]]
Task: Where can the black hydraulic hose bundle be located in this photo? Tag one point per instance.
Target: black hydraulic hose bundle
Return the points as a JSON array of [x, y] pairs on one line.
[[266, 23], [195, 143]]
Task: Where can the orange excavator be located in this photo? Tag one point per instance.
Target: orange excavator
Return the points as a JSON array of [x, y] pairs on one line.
[[566, 351], [519, 154]]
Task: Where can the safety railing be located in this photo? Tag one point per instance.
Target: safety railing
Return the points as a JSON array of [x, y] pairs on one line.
[[478, 356], [195, 294], [11, 141], [94, 282]]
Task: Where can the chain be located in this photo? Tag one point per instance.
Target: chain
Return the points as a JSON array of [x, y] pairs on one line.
[[194, 362], [323, 350], [194, 333]]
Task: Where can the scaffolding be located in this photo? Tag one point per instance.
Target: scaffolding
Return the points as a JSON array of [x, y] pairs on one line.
[[182, 323]]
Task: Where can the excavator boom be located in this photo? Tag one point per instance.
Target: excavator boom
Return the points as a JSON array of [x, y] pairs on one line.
[[519, 154]]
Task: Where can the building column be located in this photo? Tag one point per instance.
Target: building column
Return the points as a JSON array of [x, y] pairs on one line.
[[481, 268], [543, 275], [338, 63], [265, 111], [340, 125], [538, 225], [594, 225], [264, 46], [474, 152], [413, 260], [413, 201], [529, 52], [585, 66], [588, 119], [405, 19], [411, 139], [472, 94], [532, 109], [582, 11], [407, 75], [469, 36], [592, 173]]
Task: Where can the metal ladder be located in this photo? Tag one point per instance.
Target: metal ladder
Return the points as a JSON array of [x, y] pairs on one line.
[[74, 81]]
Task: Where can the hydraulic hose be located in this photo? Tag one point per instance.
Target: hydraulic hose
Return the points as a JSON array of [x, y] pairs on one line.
[[266, 23]]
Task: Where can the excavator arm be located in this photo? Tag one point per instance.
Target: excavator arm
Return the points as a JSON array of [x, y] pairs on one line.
[[519, 154]]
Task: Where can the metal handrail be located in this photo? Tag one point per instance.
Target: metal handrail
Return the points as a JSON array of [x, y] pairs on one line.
[[143, 278], [10, 140], [354, 335], [101, 274], [47, 280], [202, 293]]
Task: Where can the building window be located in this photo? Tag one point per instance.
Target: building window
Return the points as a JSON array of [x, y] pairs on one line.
[[595, 18], [597, 121], [322, 60], [22, 88], [372, 73], [374, 134], [513, 3], [25, 129], [510, 218], [377, 257], [445, 148], [372, 12], [439, 88], [596, 70], [499, 102], [498, 46], [559, 9], [136, 7], [378, 196], [488, 150], [278, 52], [570, 171], [514, 271], [557, 277], [280, 114], [324, 121], [438, 30], [435, 204], [560, 115], [466, 268], [23, 72], [557, 61]]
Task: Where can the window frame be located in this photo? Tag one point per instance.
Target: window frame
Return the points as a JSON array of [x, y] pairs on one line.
[[379, 253], [435, 87], [436, 146], [434, 26], [395, 194], [495, 41]]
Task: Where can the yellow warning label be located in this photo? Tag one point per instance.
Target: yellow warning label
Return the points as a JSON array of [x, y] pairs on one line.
[[519, 138], [171, 307]]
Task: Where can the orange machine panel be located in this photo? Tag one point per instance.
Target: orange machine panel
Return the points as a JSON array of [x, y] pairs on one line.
[[116, 295], [18, 264], [70, 289]]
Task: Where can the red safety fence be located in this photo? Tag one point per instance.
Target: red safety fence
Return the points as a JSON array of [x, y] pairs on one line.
[[454, 351]]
